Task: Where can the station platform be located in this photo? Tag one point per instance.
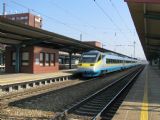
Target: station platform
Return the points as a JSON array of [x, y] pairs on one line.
[[143, 100], [8, 82]]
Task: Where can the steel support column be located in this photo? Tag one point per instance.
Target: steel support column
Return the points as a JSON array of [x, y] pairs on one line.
[[70, 60], [17, 66], [159, 62]]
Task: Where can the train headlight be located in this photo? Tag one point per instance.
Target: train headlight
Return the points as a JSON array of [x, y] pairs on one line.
[[91, 64]]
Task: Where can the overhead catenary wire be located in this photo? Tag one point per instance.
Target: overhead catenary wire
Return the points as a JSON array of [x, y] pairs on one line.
[[120, 16], [54, 19], [110, 18], [72, 15], [51, 18], [85, 23]]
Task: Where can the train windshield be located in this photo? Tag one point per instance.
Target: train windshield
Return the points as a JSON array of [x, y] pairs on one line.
[[89, 58]]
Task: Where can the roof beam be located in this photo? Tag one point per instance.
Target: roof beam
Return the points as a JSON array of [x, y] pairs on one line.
[[143, 1], [155, 37], [9, 41], [153, 45], [155, 16], [154, 49]]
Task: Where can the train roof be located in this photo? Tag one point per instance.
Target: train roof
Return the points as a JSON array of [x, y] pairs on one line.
[[119, 57], [112, 55]]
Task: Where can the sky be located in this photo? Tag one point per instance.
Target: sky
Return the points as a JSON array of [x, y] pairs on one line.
[[106, 21]]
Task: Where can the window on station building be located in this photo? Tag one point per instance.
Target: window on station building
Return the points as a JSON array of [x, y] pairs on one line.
[[25, 58], [52, 59], [41, 58], [47, 59], [26, 23], [13, 62], [12, 18]]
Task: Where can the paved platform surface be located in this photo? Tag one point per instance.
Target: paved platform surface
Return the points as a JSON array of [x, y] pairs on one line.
[[143, 100], [6, 79]]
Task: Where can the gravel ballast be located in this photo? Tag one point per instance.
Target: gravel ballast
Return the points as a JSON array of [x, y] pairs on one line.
[[47, 105]]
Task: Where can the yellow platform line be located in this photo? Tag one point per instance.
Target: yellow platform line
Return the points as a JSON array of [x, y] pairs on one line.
[[144, 109]]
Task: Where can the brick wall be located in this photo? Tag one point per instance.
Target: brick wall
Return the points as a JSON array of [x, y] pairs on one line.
[[45, 69], [33, 62]]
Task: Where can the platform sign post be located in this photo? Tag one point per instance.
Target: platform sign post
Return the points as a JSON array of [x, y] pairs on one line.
[[159, 63]]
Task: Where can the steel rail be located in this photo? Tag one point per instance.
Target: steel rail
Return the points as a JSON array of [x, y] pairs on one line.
[[98, 117], [74, 107]]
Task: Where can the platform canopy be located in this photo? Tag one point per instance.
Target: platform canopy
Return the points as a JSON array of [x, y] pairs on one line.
[[14, 33], [146, 17]]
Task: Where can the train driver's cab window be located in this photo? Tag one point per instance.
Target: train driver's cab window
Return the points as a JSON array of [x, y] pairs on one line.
[[89, 58]]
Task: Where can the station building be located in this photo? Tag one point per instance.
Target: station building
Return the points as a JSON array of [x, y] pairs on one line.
[[94, 43], [33, 59], [25, 18], [33, 50], [43, 59]]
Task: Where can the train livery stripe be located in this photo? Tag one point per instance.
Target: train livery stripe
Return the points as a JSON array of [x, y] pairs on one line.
[[89, 64]]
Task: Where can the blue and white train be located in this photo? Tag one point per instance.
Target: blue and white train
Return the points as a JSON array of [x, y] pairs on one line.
[[95, 63]]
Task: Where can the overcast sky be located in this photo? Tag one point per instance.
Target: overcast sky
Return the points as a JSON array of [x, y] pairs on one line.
[[106, 21]]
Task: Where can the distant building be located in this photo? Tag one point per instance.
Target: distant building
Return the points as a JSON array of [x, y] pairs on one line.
[[94, 43], [26, 18]]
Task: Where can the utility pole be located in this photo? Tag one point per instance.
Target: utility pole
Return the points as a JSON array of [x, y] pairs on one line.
[[4, 9], [134, 45], [81, 37], [103, 45]]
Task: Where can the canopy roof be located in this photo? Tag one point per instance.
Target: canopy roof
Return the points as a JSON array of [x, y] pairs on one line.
[[15, 33], [146, 17]]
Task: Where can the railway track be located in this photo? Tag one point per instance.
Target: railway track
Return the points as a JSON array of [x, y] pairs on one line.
[[35, 91], [37, 94], [98, 106]]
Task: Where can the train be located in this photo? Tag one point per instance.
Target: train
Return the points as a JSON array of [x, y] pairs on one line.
[[95, 63]]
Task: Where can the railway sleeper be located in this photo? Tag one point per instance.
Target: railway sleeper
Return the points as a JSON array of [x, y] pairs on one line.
[[86, 113], [90, 109], [95, 107]]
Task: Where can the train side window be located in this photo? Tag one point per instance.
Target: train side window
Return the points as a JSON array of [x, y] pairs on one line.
[[111, 61], [107, 61]]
